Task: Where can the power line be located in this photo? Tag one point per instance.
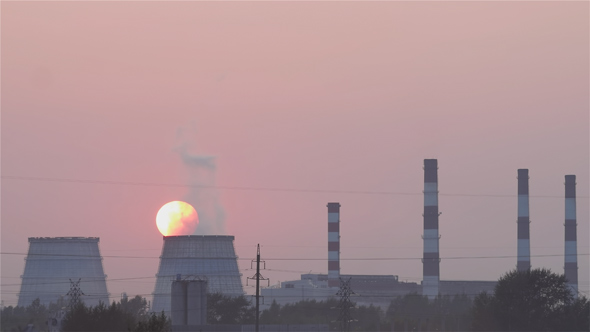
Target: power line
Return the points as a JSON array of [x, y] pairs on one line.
[[294, 258], [318, 191]]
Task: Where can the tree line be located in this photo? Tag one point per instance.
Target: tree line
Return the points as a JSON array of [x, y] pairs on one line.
[[535, 300], [125, 315]]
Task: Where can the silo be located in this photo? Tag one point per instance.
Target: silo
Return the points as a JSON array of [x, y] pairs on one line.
[[178, 303], [196, 302], [209, 257], [53, 261]]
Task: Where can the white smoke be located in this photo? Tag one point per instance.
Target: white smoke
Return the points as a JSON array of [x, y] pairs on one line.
[[202, 194]]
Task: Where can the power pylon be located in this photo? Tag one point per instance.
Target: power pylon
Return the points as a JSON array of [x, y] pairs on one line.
[[75, 293], [258, 277], [345, 318]]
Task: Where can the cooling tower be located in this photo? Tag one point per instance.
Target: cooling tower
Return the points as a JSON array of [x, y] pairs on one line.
[[571, 250], [333, 244], [524, 244], [208, 257], [431, 260], [53, 261]]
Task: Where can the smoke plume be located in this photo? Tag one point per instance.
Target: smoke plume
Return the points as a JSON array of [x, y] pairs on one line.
[[202, 194]]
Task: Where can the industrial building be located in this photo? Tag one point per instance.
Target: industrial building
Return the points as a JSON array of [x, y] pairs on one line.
[[378, 290], [52, 262], [207, 257], [189, 302]]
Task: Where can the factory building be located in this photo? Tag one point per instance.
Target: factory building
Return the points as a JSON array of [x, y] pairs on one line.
[[471, 288], [378, 290], [53, 261], [207, 257]]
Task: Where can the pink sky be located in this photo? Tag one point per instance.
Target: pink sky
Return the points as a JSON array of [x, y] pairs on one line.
[[338, 96]]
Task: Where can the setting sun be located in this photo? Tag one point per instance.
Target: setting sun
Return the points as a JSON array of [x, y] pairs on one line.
[[177, 218]]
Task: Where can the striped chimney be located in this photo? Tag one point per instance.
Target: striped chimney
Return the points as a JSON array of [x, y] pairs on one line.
[[524, 244], [333, 244], [571, 251], [431, 260]]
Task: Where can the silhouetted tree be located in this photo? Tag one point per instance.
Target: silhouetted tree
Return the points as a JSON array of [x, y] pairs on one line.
[[535, 300], [224, 309], [98, 318], [137, 307], [154, 323], [414, 311], [17, 318], [272, 315], [366, 318]]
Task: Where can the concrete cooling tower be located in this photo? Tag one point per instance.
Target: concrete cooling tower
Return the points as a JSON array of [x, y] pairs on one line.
[[53, 261], [206, 257]]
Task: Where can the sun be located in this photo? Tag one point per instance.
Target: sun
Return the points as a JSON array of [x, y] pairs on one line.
[[177, 218]]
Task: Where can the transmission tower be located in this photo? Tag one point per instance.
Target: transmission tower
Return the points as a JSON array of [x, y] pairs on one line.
[[345, 318], [75, 293], [258, 277]]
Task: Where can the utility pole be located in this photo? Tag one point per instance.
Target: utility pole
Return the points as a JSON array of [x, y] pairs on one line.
[[258, 277]]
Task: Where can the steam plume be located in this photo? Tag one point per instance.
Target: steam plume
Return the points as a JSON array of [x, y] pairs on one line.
[[202, 194]]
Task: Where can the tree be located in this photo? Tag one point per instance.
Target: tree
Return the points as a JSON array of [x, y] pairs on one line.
[[409, 311], [99, 318], [535, 300], [224, 309], [17, 318], [272, 315], [155, 323], [137, 307], [366, 318]]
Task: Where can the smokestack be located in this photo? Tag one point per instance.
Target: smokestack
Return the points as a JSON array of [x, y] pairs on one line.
[[431, 260], [333, 244], [524, 244], [571, 251]]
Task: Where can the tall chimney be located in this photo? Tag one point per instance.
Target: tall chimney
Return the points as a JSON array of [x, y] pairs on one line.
[[431, 260], [571, 251], [333, 244], [524, 245]]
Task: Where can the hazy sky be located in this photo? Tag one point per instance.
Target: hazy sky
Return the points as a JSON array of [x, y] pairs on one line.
[[345, 98]]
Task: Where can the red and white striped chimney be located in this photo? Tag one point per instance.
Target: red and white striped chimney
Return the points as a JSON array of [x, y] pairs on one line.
[[431, 260], [571, 250], [523, 262], [333, 244]]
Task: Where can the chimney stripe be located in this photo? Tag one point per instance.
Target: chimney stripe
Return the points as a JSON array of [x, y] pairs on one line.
[[570, 208], [524, 250]]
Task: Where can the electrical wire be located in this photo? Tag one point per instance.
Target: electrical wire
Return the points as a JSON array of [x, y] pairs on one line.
[[320, 191], [289, 258]]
